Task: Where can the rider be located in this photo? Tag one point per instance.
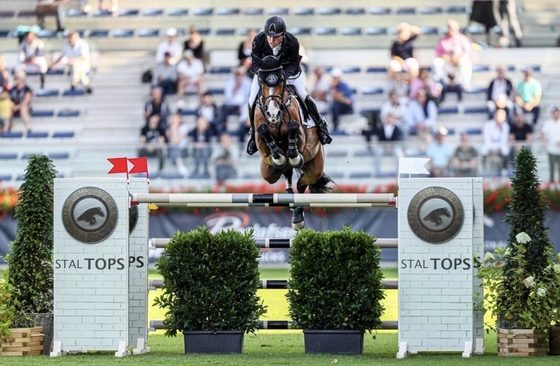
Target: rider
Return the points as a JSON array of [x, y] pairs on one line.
[[276, 41]]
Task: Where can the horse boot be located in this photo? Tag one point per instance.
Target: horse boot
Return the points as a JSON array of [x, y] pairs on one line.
[[251, 145], [322, 125]]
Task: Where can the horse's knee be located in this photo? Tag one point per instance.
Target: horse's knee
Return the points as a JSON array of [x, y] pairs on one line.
[[293, 126], [263, 130]]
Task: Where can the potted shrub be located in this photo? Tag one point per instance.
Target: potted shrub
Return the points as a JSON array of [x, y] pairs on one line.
[[210, 289], [521, 281], [334, 291], [30, 260]]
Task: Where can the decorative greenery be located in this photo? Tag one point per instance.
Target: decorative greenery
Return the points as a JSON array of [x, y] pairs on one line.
[[7, 307], [522, 282], [30, 261], [335, 281], [210, 282]]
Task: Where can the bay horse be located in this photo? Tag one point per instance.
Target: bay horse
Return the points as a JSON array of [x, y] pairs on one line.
[[284, 142]]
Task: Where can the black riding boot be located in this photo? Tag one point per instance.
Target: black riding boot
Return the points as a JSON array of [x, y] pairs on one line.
[[251, 145], [322, 125]]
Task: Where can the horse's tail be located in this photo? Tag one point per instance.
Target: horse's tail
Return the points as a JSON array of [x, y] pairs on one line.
[[322, 185]]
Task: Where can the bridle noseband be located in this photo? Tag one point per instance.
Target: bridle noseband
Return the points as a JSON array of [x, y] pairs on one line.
[[263, 101]]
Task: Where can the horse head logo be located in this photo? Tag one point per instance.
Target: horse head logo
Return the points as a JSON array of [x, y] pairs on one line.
[[89, 215], [435, 216]]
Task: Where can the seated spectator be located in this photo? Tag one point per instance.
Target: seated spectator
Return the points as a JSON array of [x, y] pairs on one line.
[[190, 72], [51, 7], [245, 48], [4, 75], [170, 47], [529, 92], [451, 82], [464, 162], [550, 135], [402, 58], [500, 94], [440, 153], [5, 110], [152, 140], [401, 84], [195, 43], [396, 106], [421, 116], [157, 105], [177, 142], [75, 53], [225, 164], [496, 148], [520, 130], [202, 151], [320, 86], [424, 81], [237, 90], [113, 8], [453, 57], [208, 110], [31, 55], [165, 76], [342, 101], [389, 131], [20, 95]]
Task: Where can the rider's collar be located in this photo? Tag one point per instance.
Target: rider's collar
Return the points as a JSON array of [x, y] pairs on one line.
[[276, 50]]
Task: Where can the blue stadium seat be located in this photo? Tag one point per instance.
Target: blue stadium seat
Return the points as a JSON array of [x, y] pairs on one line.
[[152, 12], [8, 156], [225, 32], [328, 11], [63, 134], [386, 175], [429, 30], [202, 11], [325, 31], [221, 70], [350, 31], [355, 11], [376, 69], [98, 33], [475, 110], [42, 113], [375, 31], [227, 11], [372, 90], [351, 69], [216, 91], [475, 29], [26, 155], [59, 155], [339, 133], [12, 135], [303, 11], [129, 12], [337, 154], [171, 175], [45, 33], [76, 13], [7, 14], [55, 72], [20, 177], [4, 33], [5, 177], [480, 68], [448, 110], [474, 89], [204, 31], [277, 11], [188, 112], [73, 93], [38, 135], [178, 12], [301, 31], [457, 10], [147, 33], [47, 93], [473, 131], [26, 14], [364, 153], [123, 33], [68, 113], [251, 175], [253, 11], [100, 13], [360, 175], [378, 10], [430, 10], [405, 11]]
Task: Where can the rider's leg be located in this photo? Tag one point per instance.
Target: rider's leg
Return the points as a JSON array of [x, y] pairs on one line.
[[251, 145], [322, 126]]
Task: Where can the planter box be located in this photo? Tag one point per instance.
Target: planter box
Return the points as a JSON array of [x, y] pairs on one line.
[[554, 340], [22, 342], [334, 341], [522, 342], [208, 342]]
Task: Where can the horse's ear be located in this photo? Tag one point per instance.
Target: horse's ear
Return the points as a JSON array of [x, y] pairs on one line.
[[257, 59]]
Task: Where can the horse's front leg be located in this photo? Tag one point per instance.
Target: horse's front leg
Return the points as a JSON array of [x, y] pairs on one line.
[[278, 159], [294, 157]]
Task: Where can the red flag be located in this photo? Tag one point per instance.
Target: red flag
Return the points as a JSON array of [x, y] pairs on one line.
[[120, 165], [140, 165]]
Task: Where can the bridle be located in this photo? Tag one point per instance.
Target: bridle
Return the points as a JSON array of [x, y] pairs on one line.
[[264, 101]]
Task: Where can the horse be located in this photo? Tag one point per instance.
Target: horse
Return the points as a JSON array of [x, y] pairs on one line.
[[284, 143]]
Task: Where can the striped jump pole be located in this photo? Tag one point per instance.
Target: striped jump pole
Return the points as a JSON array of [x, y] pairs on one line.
[[279, 324], [341, 200], [279, 284], [279, 243]]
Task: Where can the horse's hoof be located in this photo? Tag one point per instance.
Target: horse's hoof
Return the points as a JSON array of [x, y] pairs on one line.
[[298, 225], [279, 163], [298, 218], [296, 162]]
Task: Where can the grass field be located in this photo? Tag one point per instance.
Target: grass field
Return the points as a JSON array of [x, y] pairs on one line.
[[282, 347]]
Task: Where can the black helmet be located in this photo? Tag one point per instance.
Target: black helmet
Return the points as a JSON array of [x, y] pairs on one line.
[[274, 26]]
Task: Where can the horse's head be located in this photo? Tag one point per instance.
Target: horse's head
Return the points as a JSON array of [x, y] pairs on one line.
[[272, 83]]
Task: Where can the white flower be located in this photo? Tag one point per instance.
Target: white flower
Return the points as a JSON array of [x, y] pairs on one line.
[[522, 238], [541, 292], [556, 268], [488, 257], [507, 252], [529, 281]]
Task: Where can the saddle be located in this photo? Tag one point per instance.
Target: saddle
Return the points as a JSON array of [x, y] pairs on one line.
[[292, 90]]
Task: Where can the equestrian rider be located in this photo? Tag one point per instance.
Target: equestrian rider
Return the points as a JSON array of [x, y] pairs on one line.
[[274, 40]]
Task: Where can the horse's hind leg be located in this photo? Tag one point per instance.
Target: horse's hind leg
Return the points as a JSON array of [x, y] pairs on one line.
[[278, 159], [288, 175], [298, 217], [294, 157]]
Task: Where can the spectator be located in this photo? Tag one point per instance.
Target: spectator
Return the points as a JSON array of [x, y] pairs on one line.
[[152, 140], [177, 142], [320, 87], [505, 13], [165, 76], [520, 130], [465, 159], [169, 46], [225, 164], [237, 90], [550, 135], [440, 153], [5, 104], [202, 150], [402, 58], [396, 106], [246, 47], [453, 56], [342, 101], [424, 81], [75, 53], [114, 8], [500, 94], [389, 131], [4, 75], [195, 43], [51, 7], [208, 110], [421, 116], [190, 71], [20, 95], [496, 148], [157, 105], [529, 93], [31, 55]]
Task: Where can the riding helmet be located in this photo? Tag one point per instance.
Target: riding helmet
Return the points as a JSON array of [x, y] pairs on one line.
[[274, 26]]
